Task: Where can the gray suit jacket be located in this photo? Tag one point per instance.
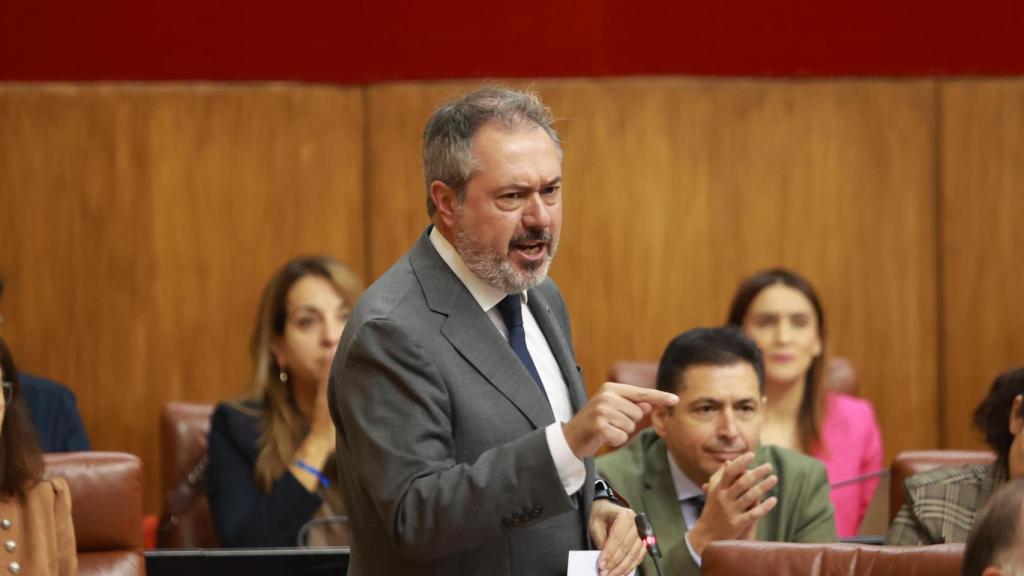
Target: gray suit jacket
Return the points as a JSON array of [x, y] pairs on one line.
[[443, 460]]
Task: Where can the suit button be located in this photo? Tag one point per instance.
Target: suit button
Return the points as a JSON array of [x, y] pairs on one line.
[[536, 511], [10, 545], [14, 567]]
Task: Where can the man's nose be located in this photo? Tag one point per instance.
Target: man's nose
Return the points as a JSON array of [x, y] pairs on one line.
[[727, 424], [536, 213]]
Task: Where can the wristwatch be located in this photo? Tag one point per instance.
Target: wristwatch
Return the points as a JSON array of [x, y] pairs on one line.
[[604, 491]]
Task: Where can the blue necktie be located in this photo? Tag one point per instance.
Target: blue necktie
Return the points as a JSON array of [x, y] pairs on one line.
[[511, 310]]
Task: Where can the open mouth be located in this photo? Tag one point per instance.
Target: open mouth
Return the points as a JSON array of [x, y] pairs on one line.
[[532, 244], [531, 249]]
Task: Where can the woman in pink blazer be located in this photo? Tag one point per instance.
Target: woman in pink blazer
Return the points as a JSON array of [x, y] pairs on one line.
[[781, 312]]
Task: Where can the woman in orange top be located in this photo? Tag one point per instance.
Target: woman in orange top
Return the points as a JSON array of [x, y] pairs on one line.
[[35, 514]]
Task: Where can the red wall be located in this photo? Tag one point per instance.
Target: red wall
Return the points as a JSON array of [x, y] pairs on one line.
[[369, 41]]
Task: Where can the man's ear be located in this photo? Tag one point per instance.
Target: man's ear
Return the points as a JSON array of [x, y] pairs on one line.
[[445, 201], [659, 419]]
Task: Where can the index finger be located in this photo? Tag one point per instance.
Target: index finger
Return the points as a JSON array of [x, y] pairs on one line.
[[736, 468], [638, 394]]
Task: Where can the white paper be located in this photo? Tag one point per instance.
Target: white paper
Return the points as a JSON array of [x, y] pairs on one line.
[[584, 563]]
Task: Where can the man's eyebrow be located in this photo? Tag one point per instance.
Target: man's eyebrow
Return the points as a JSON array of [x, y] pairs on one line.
[[529, 188], [705, 399]]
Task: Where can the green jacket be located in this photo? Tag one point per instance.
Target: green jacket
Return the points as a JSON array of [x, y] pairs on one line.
[[640, 472]]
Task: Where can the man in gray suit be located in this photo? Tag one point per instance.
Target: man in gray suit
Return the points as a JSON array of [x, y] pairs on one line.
[[464, 434]]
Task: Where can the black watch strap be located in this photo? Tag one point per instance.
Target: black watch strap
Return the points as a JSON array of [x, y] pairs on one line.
[[604, 491]]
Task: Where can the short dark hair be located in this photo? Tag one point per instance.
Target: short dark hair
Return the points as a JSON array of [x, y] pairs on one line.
[[996, 530], [721, 346], [21, 459], [992, 416]]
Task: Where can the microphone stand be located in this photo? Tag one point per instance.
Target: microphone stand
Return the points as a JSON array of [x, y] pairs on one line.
[[646, 532]]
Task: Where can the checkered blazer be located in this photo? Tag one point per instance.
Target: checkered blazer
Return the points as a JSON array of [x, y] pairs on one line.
[[940, 505]]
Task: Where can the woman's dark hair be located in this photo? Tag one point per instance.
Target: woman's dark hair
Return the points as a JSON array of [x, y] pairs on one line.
[[21, 459], [992, 416], [812, 407]]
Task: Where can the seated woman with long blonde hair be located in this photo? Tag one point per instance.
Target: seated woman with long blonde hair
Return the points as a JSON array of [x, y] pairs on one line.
[[272, 467], [35, 514]]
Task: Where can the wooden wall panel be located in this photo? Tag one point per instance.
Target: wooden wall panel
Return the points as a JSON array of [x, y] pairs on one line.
[[677, 189], [982, 243], [141, 223]]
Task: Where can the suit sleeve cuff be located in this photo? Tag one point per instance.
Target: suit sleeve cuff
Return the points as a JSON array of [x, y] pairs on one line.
[[571, 470], [693, 553]]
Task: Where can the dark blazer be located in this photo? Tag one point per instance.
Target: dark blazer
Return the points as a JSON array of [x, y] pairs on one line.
[[640, 471], [442, 454], [54, 414], [243, 515]]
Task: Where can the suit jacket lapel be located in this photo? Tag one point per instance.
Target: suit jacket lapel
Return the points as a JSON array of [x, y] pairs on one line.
[[559, 344], [660, 501], [471, 332]]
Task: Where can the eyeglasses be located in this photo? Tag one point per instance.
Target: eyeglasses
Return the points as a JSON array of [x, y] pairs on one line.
[[8, 391]]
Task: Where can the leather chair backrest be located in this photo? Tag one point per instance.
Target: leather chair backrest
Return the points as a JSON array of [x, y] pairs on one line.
[[779, 558], [911, 462], [106, 508], [186, 523]]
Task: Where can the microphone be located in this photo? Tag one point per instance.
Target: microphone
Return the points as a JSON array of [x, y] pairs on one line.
[[859, 479], [646, 532]]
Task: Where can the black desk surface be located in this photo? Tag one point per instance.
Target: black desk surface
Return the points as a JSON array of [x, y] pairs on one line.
[[248, 561]]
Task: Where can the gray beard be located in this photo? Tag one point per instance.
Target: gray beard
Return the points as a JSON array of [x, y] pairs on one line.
[[495, 269]]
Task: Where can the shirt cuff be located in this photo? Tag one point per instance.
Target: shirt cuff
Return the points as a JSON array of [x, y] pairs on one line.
[[693, 553], [571, 470]]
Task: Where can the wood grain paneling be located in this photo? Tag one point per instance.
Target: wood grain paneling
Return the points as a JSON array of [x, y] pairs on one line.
[[982, 243], [677, 189], [141, 223]]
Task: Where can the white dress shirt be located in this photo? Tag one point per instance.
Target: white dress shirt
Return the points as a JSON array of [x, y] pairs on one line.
[[570, 469], [685, 490]]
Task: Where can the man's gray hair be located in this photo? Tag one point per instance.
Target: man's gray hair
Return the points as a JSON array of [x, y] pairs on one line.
[[448, 137]]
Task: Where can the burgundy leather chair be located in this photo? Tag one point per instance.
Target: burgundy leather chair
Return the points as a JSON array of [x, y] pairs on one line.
[[911, 462], [727, 558], [186, 520], [106, 508]]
